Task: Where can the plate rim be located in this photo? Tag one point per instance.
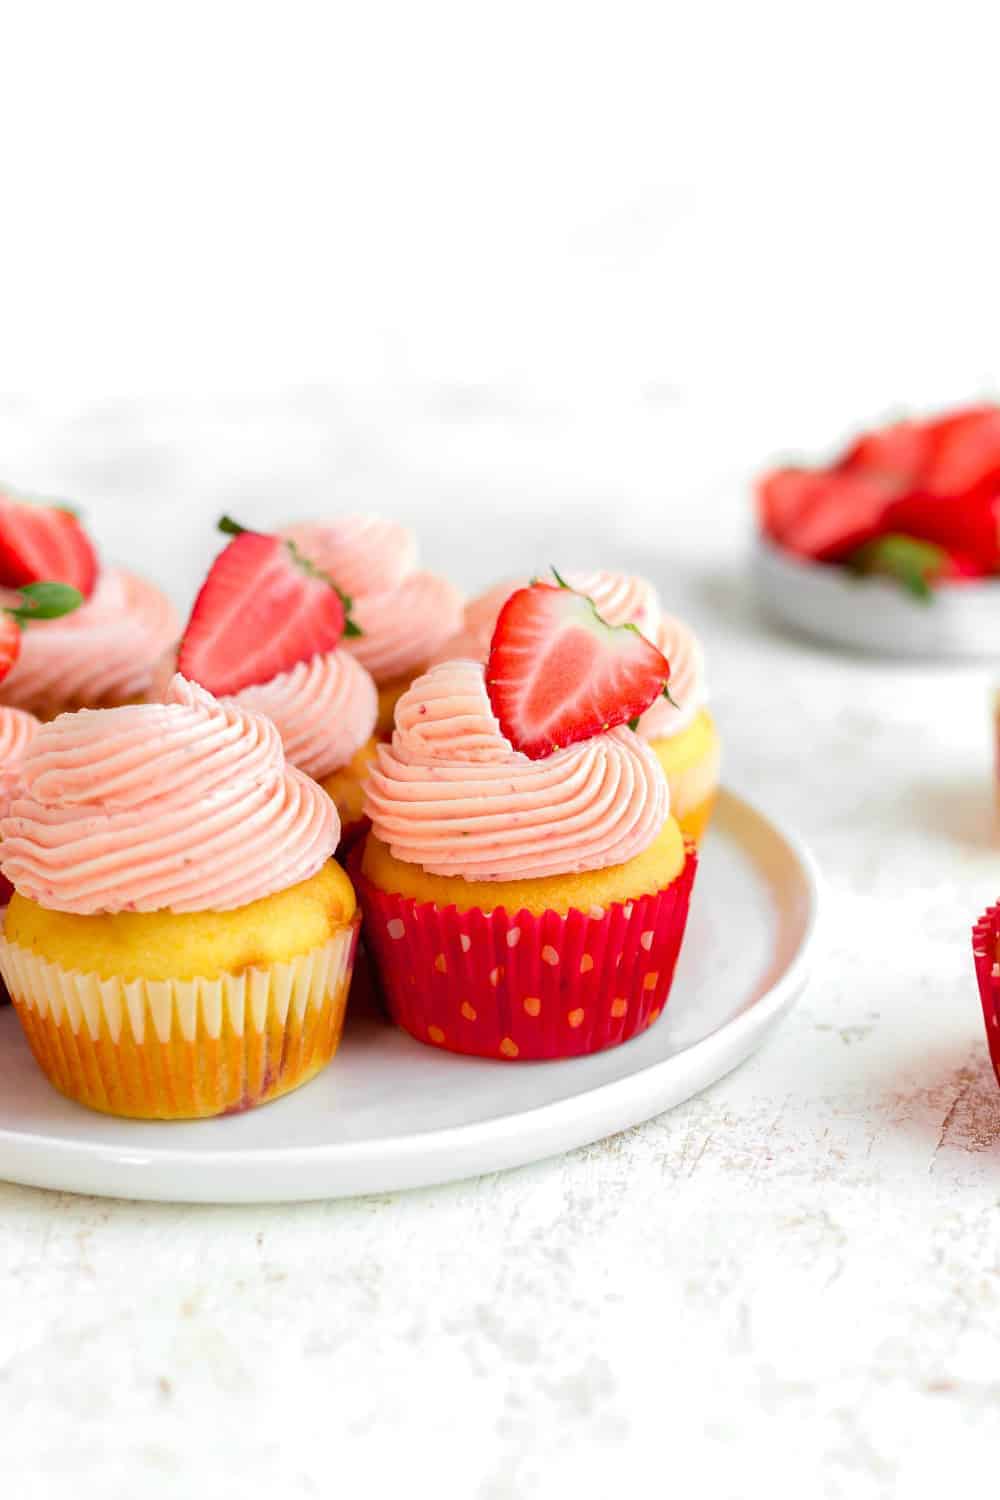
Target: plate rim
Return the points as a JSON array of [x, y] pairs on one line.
[[631, 1097]]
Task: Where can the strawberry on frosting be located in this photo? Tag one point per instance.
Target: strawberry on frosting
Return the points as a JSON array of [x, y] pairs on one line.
[[42, 540], [453, 795], [267, 631], [620, 598], [404, 614], [188, 805]]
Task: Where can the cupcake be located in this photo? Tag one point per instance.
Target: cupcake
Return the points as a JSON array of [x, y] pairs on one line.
[[680, 729], [268, 631], [105, 653], [404, 614], [524, 885], [179, 943]]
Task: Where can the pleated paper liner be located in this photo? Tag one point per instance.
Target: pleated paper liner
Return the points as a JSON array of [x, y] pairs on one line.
[[984, 952], [513, 985], [183, 1049]]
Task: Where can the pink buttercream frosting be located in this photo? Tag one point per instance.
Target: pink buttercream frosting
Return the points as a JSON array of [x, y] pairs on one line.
[[17, 730], [325, 710], [620, 598], [404, 614], [452, 794], [687, 681], [105, 652], [183, 806]]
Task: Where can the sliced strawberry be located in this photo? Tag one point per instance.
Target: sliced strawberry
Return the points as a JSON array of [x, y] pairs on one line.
[[44, 600], [262, 608], [41, 542], [965, 454], [557, 673], [969, 526], [895, 455], [820, 514]]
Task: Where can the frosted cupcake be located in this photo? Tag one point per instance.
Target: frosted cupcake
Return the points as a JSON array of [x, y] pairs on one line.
[[525, 905], [103, 654], [179, 943], [269, 631], [680, 730], [404, 614]]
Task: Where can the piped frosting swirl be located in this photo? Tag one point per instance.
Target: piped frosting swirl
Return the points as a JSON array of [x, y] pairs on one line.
[[103, 653], [325, 710], [452, 794], [404, 614], [183, 806], [687, 681]]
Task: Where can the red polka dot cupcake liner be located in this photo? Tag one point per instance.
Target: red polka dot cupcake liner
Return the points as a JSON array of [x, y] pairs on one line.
[[514, 985], [984, 950]]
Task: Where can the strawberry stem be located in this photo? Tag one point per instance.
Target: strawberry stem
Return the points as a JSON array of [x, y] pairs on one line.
[[45, 601], [666, 694], [308, 566], [558, 577], [230, 527]]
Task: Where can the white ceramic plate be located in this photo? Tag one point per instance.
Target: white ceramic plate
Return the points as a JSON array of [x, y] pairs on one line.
[[390, 1113], [873, 614]]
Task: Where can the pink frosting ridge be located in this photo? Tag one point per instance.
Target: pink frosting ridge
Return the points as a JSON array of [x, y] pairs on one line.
[[182, 806], [17, 730], [404, 614], [683, 651], [104, 652], [452, 794], [621, 599], [325, 710]]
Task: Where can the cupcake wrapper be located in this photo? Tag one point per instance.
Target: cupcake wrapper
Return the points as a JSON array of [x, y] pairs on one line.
[[350, 834], [984, 948], [502, 985], [182, 1049]]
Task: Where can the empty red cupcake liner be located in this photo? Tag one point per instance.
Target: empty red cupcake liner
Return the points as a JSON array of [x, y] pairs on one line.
[[514, 985], [984, 952]]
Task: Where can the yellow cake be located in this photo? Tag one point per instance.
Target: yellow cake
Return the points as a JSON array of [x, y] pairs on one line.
[[691, 762], [655, 868]]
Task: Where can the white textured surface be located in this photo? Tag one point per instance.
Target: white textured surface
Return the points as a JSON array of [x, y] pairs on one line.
[[553, 292]]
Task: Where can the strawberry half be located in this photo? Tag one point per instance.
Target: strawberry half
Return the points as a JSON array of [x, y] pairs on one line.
[[44, 600], [820, 514], [262, 608], [896, 456], [557, 673], [43, 542]]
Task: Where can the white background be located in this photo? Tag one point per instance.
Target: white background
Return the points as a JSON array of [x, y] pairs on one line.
[[551, 282]]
